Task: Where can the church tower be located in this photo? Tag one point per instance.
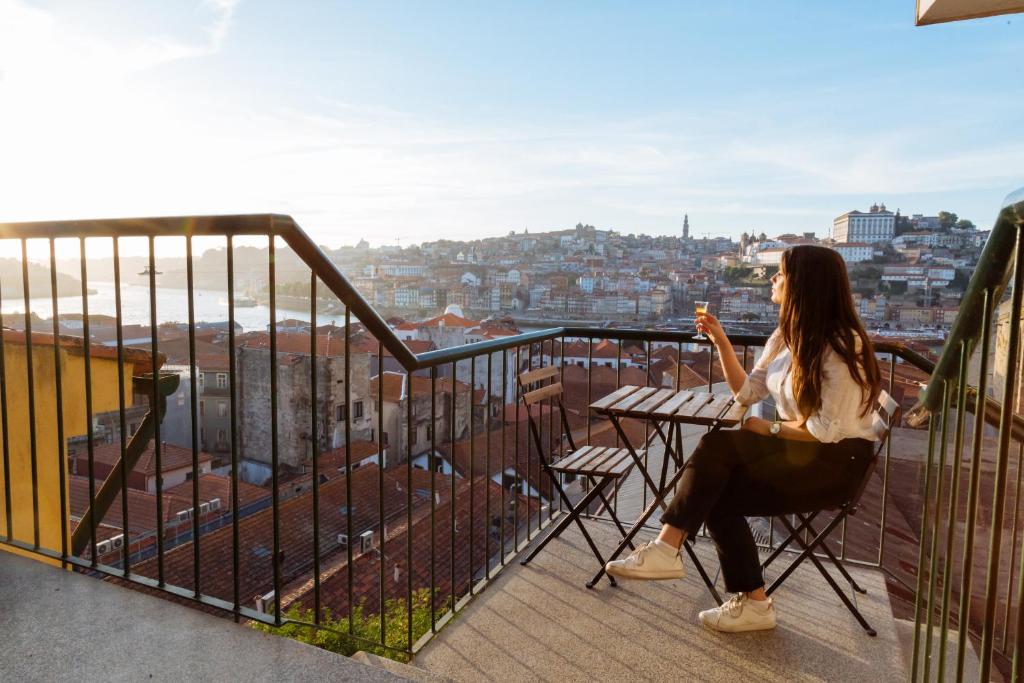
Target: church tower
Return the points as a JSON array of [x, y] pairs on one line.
[[686, 226]]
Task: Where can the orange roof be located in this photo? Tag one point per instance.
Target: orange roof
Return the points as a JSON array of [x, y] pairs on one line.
[[290, 342], [450, 320], [76, 345], [172, 457]]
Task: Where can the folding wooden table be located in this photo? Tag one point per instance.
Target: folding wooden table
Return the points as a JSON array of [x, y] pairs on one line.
[[676, 408]]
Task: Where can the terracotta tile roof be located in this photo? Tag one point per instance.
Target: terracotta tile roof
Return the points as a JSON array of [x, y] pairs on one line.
[[177, 353], [215, 486], [295, 536], [329, 461], [450, 320], [172, 457], [394, 383], [141, 360], [296, 343], [431, 552]]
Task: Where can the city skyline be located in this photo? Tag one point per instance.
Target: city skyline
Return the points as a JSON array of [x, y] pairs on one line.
[[407, 123]]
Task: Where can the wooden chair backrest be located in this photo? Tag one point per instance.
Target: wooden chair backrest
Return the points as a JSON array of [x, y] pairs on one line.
[[886, 416], [548, 387]]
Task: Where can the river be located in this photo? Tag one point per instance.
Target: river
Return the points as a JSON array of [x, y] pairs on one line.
[[171, 306]]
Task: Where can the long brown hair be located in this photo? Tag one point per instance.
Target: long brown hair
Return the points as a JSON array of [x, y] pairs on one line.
[[817, 313]]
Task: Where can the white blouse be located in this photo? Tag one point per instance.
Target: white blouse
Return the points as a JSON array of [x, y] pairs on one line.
[[841, 397]]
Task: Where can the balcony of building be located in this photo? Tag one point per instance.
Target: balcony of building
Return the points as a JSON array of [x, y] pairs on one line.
[[389, 516]]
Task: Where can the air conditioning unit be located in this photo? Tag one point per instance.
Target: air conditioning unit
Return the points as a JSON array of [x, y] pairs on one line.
[[204, 508], [264, 601], [214, 504], [343, 540], [103, 547], [117, 542], [366, 541], [184, 515]]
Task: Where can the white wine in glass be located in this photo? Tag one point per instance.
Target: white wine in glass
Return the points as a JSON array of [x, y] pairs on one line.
[[700, 308]]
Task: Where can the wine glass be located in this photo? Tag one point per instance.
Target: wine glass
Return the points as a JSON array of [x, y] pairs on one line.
[[700, 307]]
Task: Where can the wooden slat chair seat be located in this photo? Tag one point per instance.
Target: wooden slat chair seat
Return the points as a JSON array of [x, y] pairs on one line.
[[594, 460], [599, 466], [886, 416]]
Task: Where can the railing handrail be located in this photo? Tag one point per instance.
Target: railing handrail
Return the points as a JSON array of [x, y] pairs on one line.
[[992, 273], [285, 227], [300, 243]]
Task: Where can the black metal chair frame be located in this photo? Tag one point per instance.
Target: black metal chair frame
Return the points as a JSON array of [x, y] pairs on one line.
[[598, 481], [887, 416]]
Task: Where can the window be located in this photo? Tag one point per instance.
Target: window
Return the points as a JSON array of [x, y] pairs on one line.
[[222, 408], [340, 409], [222, 380], [385, 438], [188, 476], [202, 408], [430, 432], [358, 412], [222, 436]]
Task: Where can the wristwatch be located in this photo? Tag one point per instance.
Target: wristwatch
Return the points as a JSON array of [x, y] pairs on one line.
[[775, 428]]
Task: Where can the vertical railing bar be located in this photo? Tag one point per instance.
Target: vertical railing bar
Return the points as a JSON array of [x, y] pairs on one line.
[[487, 467], [973, 485], [946, 397], [381, 458], [515, 466], [87, 360], [121, 417], [529, 455], [1002, 456], [679, 363], [1013, 545], [919, 593], [155, 408], [190, 284], [233, 426], [9, 523], [62, 465], [409, 428], [32, 398], [954, 496], [561, 378], [348, 464], [274, 454], [504, 465], [551, 425], [618, 383], [314, 442], [451, 531], [590, 383], [647, 424], [433, 498], [472, 465], [885, 471]]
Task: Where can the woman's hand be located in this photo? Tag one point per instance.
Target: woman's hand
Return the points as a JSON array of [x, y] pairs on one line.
[[709, 325], [757, 425]]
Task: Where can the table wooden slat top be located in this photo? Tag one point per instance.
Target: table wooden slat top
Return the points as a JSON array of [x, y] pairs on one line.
[[687, 405]]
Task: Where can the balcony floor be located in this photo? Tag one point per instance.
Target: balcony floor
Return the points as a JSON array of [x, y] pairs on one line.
[[540, 622], [62, 626]]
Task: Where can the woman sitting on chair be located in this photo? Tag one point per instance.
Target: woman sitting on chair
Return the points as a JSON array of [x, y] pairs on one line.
[[819, 367]]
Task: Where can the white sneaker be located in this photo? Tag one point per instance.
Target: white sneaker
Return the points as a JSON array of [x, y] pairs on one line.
[[648, 562], [740, 613]]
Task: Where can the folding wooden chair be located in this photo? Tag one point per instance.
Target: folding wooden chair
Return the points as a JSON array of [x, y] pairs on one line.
[[598, 465], [887, 415]]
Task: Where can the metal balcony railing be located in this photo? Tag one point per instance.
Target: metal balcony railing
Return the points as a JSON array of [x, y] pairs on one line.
[[383, 533]]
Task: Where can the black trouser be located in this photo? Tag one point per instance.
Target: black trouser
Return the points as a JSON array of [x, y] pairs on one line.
[[737, 474]]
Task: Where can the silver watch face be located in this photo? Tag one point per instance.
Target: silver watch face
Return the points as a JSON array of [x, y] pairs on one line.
[[776, 428]]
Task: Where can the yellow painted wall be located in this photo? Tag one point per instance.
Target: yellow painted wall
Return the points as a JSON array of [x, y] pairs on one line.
[[49, 453]]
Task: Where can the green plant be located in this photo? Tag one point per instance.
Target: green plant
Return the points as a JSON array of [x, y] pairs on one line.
[[333, 635]]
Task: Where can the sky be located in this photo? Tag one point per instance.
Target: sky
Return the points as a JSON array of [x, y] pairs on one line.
[[404, 122]]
